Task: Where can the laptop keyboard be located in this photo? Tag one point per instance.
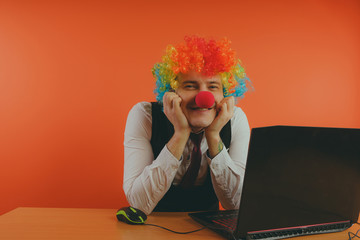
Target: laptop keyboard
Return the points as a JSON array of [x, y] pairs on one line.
[[229, 223], [227, 220], [226, 223], [287, 233]]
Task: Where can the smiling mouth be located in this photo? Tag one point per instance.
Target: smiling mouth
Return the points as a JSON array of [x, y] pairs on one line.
[[200, 109]]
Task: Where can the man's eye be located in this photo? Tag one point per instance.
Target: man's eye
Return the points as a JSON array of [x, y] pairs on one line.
[[214, 87], [189, 86]]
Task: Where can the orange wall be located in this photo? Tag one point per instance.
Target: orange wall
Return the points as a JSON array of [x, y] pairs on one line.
[[70, 72]]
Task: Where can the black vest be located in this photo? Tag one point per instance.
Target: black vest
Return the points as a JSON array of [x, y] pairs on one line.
[[177, 199]]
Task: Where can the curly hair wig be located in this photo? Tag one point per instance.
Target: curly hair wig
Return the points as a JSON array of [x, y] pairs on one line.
[[206, 57]]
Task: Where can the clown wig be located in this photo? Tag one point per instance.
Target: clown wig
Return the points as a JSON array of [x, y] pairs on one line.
[[206, 57]]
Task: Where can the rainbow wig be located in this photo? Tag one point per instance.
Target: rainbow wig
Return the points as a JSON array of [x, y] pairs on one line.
[[206, 57]]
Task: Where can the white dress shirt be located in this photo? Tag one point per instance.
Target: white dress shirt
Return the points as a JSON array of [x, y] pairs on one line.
[[146, 180]]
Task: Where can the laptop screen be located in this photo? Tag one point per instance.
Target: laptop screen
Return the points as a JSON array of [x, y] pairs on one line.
[[297, 176]]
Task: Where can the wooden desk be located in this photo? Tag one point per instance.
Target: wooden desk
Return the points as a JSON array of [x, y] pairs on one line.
[[67, 223]]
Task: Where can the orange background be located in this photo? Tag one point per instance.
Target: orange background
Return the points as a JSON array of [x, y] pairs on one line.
[[71, 70]]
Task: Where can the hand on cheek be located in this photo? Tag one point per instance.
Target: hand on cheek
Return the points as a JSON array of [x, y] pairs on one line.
[[176, 116], [174, 112], [225, 111]]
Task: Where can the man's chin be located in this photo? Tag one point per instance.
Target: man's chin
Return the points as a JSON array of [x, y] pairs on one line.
[[198, 123]]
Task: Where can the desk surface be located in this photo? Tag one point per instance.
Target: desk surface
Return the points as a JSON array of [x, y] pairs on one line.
[[75, 223]]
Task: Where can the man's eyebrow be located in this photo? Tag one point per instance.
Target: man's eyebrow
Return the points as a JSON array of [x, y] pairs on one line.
[[195, 82], [189, 81], [214, 82]]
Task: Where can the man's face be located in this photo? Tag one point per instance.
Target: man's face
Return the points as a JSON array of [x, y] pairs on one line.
[[190, 85]]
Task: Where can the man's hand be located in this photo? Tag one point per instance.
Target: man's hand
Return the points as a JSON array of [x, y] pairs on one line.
[[225, 110], [174, 113]]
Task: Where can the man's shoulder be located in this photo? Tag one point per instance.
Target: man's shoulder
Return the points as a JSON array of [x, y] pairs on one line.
[[142, 107], [238, 112], [239, 120], [140, 111]]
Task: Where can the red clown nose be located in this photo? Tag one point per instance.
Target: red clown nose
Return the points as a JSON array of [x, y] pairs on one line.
[[204, 99]]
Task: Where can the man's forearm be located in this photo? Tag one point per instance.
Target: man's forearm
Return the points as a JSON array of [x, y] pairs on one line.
[[215, 145], [177, 143]]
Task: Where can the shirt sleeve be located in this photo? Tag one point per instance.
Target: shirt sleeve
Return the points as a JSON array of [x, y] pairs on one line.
[[228, 167], [145, 180]]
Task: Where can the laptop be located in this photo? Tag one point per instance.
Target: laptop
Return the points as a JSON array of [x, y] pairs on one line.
[[298, 181]]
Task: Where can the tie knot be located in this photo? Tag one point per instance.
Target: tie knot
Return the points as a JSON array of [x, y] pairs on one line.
[[196, 138]]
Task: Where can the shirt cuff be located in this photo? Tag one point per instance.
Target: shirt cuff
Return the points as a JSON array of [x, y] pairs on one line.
[[220, 162], [220, 155]]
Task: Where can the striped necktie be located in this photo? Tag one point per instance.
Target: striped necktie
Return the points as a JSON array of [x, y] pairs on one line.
[[193, 170]]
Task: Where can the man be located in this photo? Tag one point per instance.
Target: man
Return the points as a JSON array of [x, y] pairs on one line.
[[182, 157]]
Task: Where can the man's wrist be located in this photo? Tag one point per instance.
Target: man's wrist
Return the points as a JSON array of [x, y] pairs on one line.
[[215, 145], [182, 135], [177, 143]]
